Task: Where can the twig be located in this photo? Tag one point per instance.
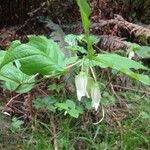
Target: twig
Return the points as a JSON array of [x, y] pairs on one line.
[[54, 131], [118, 97], [127, 88], [120, 128], [10, 101], [103, 115], [114, 93], [109, 82]]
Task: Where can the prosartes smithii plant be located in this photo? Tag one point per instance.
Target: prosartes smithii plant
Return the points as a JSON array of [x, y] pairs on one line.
[[21, 63]]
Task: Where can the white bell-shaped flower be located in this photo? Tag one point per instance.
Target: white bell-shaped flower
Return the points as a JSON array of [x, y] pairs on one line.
[[95, 95], [131, 55], [81, 83]]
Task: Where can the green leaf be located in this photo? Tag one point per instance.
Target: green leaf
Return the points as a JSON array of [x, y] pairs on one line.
[[93, 63], [143, 78], [71, 60], [70, 104], [45, 103], [104, 102], [94, 39], [2, 54], [71, 39], [80, 109], [144, 115], [69, 107], [62, 106], [85, 13], [13, 78], [123, 65], [74, 113], [132, 46], [58, 87], [119, 62], [144, 52], [40, 55], [87, 103], [16, 123], [76, 49]]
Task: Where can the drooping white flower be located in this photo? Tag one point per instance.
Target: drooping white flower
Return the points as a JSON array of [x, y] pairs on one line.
[[95, 95], [131, 55], [81, 83]]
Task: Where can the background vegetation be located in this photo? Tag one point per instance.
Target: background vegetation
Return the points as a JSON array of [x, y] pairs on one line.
[[39, 105]]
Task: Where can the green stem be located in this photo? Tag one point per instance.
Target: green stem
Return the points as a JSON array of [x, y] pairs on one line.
[[93, 74], [70, 66]]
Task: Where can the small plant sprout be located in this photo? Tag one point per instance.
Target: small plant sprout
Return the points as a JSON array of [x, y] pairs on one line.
[[81, 84]]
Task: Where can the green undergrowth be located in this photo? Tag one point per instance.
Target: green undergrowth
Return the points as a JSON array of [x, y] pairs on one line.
[[57, 118], [132, 132]]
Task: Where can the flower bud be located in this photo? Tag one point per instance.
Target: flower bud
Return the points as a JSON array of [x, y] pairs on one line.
[[81, 83], [89, 84], [95, 95]]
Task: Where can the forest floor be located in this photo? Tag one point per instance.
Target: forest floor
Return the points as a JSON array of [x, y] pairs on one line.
[[126, 124]]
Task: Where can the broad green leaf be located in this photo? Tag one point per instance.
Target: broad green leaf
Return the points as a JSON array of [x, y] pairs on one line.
[[123, 65], [71, 60], [118, 62], [40, 55], [141, 77], [13, 78], [93, 63], [14, 44]]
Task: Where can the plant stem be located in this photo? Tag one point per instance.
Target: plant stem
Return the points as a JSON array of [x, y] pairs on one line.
[[73, 64], [103, 115], [93, 74]]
